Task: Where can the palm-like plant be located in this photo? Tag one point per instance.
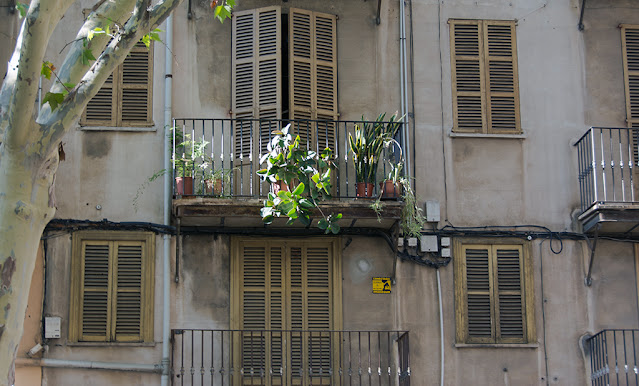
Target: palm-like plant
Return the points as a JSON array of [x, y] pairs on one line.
[[367, 142]]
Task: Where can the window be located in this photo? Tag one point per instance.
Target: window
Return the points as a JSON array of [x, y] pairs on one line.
[[493, 292], [112, 287], [125, 98], [284, 67], [286, 285], [484, 77], [630, 53]]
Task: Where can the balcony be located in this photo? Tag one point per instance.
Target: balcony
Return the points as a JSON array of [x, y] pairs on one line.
[[231, 149], [607, 161], [613, 358], [289, 357]]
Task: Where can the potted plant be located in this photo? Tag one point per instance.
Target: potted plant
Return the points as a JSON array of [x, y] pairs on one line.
[[304, 179], [187, 152], [214, 181], [391, 187], [366, 143]]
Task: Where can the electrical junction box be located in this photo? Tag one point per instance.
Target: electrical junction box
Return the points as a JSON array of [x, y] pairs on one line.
[[445, 241], [52, 327], [445, 252], [428, 244], [432, 211], [412, 241]]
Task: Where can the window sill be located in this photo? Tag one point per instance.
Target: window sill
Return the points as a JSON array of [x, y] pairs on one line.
[[118, 128], [111, 344], [481, 135], [496, 345]]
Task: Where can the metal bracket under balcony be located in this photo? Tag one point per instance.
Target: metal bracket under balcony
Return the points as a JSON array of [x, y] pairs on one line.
[[609, 180]]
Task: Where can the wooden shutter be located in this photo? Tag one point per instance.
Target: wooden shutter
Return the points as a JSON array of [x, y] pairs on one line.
[[112, 287], [479, 296], [630, 54], [128, 291], [484, 77], [285, 286], [467, 76], [95, 291], [502, 90], [125, 99], [508, 289], [257, 78], [137, 87], [313, 74]]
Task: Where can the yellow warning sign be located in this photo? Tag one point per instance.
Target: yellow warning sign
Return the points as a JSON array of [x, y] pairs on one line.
[[381, 285]]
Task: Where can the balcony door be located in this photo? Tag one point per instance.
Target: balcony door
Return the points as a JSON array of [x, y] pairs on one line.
[[286, 300]]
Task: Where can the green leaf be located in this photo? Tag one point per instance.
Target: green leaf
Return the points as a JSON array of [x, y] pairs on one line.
[[54, 99], [322, 224], [306, 204], [86, 56], [335, 228], [47, 69], [299, 189], [305, 219], [22, 9]]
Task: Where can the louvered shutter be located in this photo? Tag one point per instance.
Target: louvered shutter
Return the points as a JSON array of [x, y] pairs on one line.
[[95, 291], [484, 77], [502, 85], [128, 291], [256, 75], [478, 293], [630, 53], [467, 76], [136, 87], [313, 75], [509, 299], [102, 108]]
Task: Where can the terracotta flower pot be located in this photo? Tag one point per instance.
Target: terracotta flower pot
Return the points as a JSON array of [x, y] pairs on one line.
[[213, 187], [184, 186], [279, 185], [364, 189], [390, 191]]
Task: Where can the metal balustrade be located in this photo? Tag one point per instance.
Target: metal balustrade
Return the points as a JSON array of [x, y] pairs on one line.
[[289, 357], [613, 358], [234, 147], [606, 159]]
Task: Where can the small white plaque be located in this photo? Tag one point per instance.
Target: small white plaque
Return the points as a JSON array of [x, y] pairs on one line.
[[52, 327]]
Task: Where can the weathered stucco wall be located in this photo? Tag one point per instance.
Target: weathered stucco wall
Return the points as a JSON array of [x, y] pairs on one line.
[[568, 80]]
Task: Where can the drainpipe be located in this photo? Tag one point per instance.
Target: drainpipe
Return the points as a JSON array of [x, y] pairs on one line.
[[166, 267], [441, 329], [403, 76], [73, 364]]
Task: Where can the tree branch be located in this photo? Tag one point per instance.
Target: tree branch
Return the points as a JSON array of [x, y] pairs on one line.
[[20, 89], [159, 12]]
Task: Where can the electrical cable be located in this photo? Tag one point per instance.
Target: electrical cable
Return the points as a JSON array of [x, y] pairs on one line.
[[543, 306]]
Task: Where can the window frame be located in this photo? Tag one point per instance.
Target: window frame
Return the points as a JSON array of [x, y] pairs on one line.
[[461, 292], [117, 86], [485, 93], [147, 240]]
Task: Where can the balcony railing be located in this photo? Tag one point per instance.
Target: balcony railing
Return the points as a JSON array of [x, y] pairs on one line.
[[613, 358], [607, 157], [290, 357], [232, 149]]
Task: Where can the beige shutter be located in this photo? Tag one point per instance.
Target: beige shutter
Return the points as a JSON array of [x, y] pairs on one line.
[[467, 69], [313, 75], [136, 87], [128, 291], [630, 53], [95, 291], [478, 293], [509, 299], [256, 75], [102, 108], [502, 91], [286, 286]]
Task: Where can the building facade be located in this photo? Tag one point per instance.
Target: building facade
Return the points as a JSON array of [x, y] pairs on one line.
[[517, 140]]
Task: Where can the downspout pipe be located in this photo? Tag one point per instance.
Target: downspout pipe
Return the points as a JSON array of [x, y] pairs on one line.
[[403, 77], [166, 239], [73, 364]]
